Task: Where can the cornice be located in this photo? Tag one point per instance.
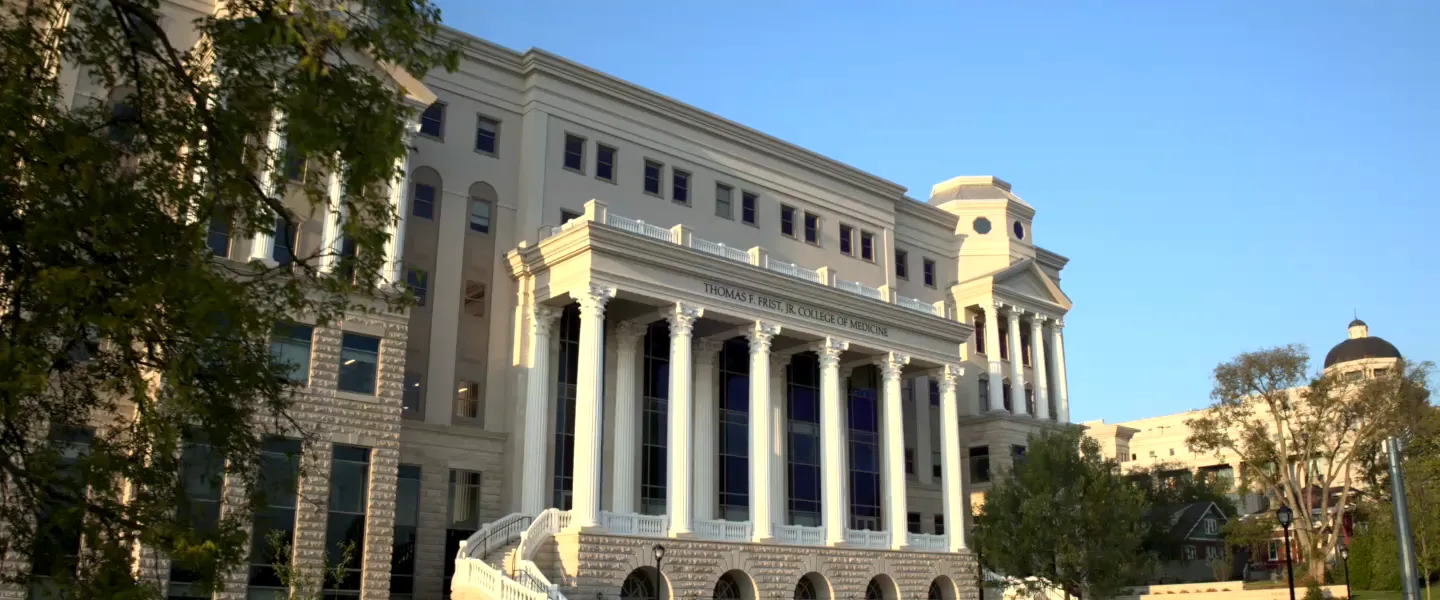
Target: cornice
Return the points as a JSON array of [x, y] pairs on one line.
[[920, 210], [1050, 259], [588, 238]]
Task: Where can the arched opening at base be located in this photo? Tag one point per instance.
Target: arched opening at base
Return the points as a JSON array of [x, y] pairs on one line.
[[882, 587], [943, 588], [813, 586], [735, 585], [644, 583]]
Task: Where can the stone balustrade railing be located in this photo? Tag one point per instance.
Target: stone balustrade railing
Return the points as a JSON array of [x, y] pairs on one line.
[[598, 212], [800, 535], [861, 538], [724, 531], [926, 542], [635, 524]]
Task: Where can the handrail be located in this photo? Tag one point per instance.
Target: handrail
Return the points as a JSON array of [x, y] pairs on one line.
[[481, 540], [542, 528]]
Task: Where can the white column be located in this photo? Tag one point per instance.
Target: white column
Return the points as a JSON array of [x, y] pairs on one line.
[[952, 469], [1017, 365], [832, 440], [1037, 345], [780, 492], [682, 321], [893, 471], [537, 411], [589, 390], [706, 429], [992, 355], [394, 270], [627, 411], [924, 472], [760, 335], [331, 235], [263, 242], [1062, 393]]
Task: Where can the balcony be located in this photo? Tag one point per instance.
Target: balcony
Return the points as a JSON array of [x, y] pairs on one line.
[[632, 524], [596, 211], [925, 542], [862, 538], [723, 531]]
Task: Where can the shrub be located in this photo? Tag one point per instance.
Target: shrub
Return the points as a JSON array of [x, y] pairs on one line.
[[1209, 589], [1312, 591]]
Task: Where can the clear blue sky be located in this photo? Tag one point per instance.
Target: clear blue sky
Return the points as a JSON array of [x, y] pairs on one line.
[[1224, 175]]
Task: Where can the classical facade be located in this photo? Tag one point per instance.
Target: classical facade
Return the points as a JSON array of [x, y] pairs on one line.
[[642, 325]]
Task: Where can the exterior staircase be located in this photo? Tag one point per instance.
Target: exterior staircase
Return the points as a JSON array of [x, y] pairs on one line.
[[502, 561]]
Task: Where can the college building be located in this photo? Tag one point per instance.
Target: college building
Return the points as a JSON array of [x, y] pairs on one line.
[[641, 329]]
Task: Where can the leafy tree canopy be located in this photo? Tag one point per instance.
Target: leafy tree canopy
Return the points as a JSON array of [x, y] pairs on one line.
[[123, 340]]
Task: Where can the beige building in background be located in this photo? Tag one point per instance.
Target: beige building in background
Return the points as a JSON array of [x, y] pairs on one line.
[[641, 324]]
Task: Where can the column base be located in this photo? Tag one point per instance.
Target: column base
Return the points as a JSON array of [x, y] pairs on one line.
[[680, 535], [763, 540], [588, 529], [839, 544], [901, 547]]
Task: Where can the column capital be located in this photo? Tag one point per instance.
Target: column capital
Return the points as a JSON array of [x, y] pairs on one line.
[[630, 331], [1058, 325], [891, 364], [1038, 319], [593, 299], [830, 350], [779, 361], [760, 336], [682, 319], [543, 319], [1013, 316], [947, 376], [706, 351]]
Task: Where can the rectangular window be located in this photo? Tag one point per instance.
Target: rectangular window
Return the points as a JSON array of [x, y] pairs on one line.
[[345, 527], [217, 236], [847, 238], [487, 135], [936, 467], [902, 264], [359, 360], [787, 220], [984, 385], [1212, 526], [654, 419], [432, 121], [980, 464], [202, 472], [939, 524], [295, 165], [1273, 552], [567, 216], [680, 186], [605, 162], [575, 153], [734, 431], [407, 525], [749, 207], [803, 438], [723, 206], [864, 458], [929, 267], [467, 400], [1189, 552], [934, 392], [909, 461], [415, 280], [654, 172], [290, 345], [474, 298], [273, 532], [1025, 357], [979, 335], [1211, 552], [462, 516], [424, 201], [912, 522], [1017, 455], [411, 398], [867, 246], [812, 228], [348, 250], [285, 234], [480, 215]]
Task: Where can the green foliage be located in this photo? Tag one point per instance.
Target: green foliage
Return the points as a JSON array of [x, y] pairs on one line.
[[1372, 551], [1066, 516], [1167, 483], [1313, 592], [1305, 432], [122, 339]]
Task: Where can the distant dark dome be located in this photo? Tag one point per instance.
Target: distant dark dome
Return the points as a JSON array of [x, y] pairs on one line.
[[1358, 348], [1358, 322]]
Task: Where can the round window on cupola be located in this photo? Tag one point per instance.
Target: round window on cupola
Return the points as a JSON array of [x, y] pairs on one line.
[[981, 225], [1019, 230]]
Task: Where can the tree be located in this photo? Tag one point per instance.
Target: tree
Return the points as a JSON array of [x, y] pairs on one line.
[[124, 342], [1167, 485], [1066, 517], [1302, 434]]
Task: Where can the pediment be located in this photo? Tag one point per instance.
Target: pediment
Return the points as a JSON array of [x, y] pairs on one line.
[[1025, 279]]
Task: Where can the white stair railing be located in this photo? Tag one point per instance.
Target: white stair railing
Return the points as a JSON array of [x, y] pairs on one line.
[[542, 529], [472, 570]]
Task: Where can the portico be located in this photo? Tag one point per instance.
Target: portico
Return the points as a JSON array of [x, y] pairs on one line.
[[735, 376]]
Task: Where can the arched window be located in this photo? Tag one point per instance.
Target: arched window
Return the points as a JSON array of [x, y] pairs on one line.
[[935, 593], [727, 588], [805, 590], [873, 590], [638, 585]]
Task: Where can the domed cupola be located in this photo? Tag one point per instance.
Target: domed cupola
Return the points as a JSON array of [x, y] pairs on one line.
[[1360, 346]]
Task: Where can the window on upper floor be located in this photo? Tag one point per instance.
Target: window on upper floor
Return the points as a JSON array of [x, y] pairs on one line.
[[979, 335], [424, 201], [480, 211], [787, 221], [929, 268], [432, 121], [415, 280], [680, 186], [984, 391], [867, 246], [749, 207], [723, 204], [605, 163], [359, 363], [290, 345], [654, 172], [939, 524], [979, 464], [912, 522], [474, 298], [575, 153], [410, 397], [847, 238], [467, 400], [902, 264], [567, 216], [909, 461], [1212, 526], [1025, 347], [217, 236], [487, 135], [812, 228]]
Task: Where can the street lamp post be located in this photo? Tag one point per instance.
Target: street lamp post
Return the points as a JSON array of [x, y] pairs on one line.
[[660, 577], [1286, 517], [1345, 558]]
